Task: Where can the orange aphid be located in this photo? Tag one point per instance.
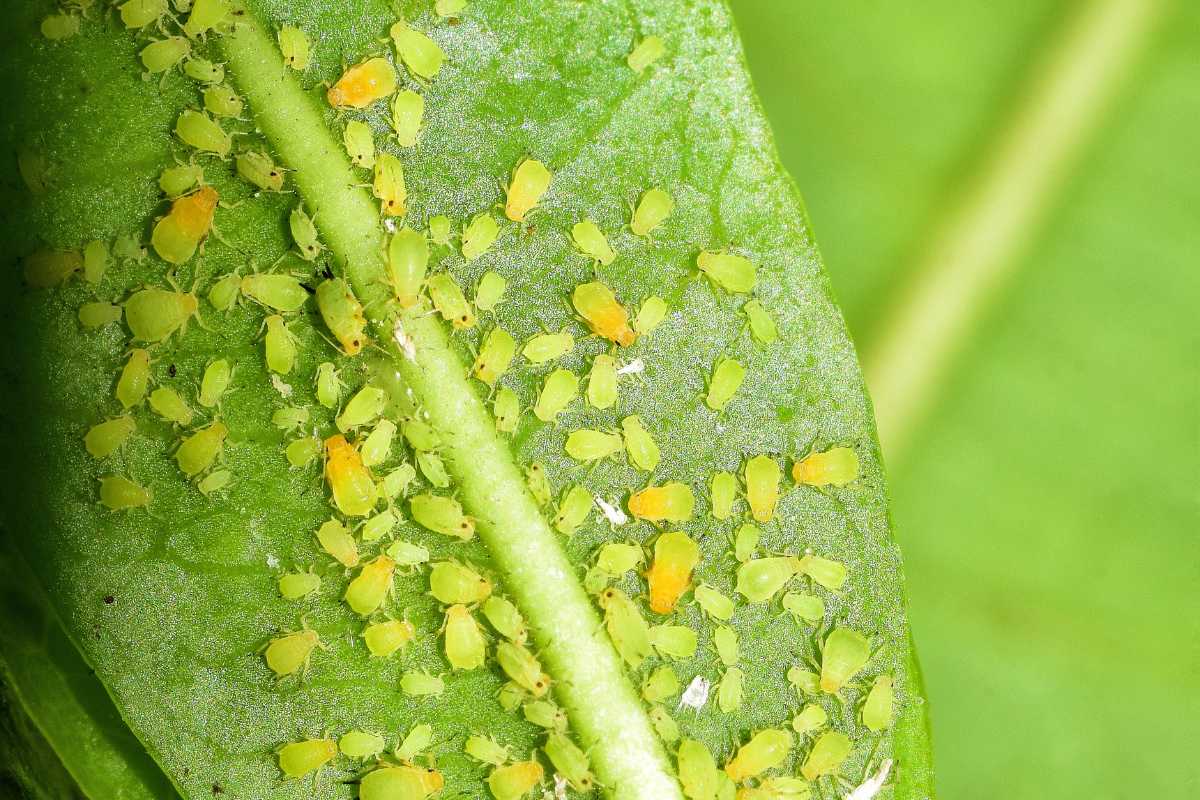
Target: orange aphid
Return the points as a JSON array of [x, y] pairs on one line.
[[597, 304], [363, 84], [671, 502], [675, 556], [177, 235], [354, 493]]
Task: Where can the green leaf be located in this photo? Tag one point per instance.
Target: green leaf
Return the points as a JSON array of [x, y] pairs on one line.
[[193, 578]]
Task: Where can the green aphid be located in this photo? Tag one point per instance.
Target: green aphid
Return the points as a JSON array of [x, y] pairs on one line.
[[362, 409], [546, 715], [224, 293], [298, 759], [34, 169], [295, 47], [538, 483], [778, 787], [343, 314], [258, 169], [167, 403], [761, 476], [505, 618], [288, 654], [360, 744], [714, 603], [289, 418], [276, 291], [489, 291], [304, 233], [674, 641], [573, 510], [511, 696], [516, 780], [215, 382], [57, 27], [804, 681], [723, 491], [835, 467], [440, 232], [180, 179], [421, 684], [725, 641], [97, 315], [420, 54], [416, 742], [807, 607], [450, 302], [766, 750], [407, 265], [46, 268], [359, 140], [523, 668], [280, 345], [134, 380], [449, 8], [626, 627], [408, 113], [420, 435], [731, 272], [495, 356], [590, 445], [762, 325], [759, 579], [119, 493], [730, 690], [378, 444], [745, 542], [570, 762], [661, 684], [384, 639], [843, 655], [643, 452], [465, 646], [486, 750], [154, 314], [727, 378], [602, 382], [202, 70], [507, 410], [877, 708], [105, 438], [295, 585], [165, 54], [530, 180], [666, 728], [652, 210], [434, 469], [442, 515], [590, 240], [648, 51], [452, 583], [617, 558], [95, 261], [697, 770], [479, 234], [301, 452], [826, 572], [826, 756], [560, 388], [128, 247], [650, 315], [396, 482], [214, 482], [198, 452], [222, 101], [336, 540], [388, 185], [328, 385], [548, 346], [379, 526], [400, 783], [812, 717], [200, 132], [140, 13], [405, 554], [206, 15], [726, 788]]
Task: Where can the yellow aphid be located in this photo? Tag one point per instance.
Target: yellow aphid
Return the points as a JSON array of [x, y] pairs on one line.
[[835, 467], [420, 54], [607, 318], [405, 782], [343, 314], [671, 502], [765, 750], [762, 487], [732, 272], [515, 781], [465, 646], [105, 438], [335, 539], [134, 379], [177, 235], [198, 451], [289, 653], [354, 493], [530, 180], [119, 493], [590, 241], [652, 210], [300, 758], [370, 588], [408, 112], [154, 314], [388, 185], [675, 556], [363, 84], [646, 53], [385, 638], [826, 756]]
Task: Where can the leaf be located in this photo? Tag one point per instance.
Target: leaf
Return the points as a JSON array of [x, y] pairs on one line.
[[193, 578]]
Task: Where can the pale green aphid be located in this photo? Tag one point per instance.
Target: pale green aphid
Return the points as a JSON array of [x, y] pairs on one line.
[[302, 451], [97, 315], [494, 356], [730, 690], [372, 586], [304, 233], [297, 759], [128, 247], [762, 326], [826, 756], [507, 409], [697, 770], [434, 469], [652, 210], [163, 54], [439, 230], [280, 345], [202, 70], [505, 618], [421, 435], [118, 493], [421, 684], [198, 452], [713, 602], [489, 291], [419, 53], [379, 526], [762, 475], [450, 302], [465, 645], [276, 291], [548, 346], [200, 132], [511, 696], [294, 45], [626, 627], [844, 653], [343, 314], [573, 510], [154, 314], [362, 409], [589, 445], [731, 272], [396, 482], [360, 744], [646, 53], [486, 750], [57, 27], [449, 8], [835, 467], [828, 573], [617, 558], [660, 684], [778, 787], [452, 583], [407, 263], [214, 481], [595, 580], [652, 312], [479, 234], [810, 718], [378, 444], [180, 179], [758, 580], [546, 715], [289, 418], [523, 668], [34, 170], [415, 743], [224, 293], [105, 438], [807, 607], [515, 781], [408, 112], [385, 638], [643, 452], [723, 491], [666, 728], [167, 403], [442, 515], [570, 762], [47, 268], [335, 539], [590, 241], [765, 750], [539, 485], [259, 170], [295, 585], [560, 388], [530, 180], [388, 185], [95, 261], [674, 641], [725, 641], [877, 708], [215, 381], [602, 382], [727, 378], [140, 13], [222, 101], [206, 15], [134, 379], [399, 783], [805, 682], [288, 654], [745, 542], [359, 141], [328, 386]]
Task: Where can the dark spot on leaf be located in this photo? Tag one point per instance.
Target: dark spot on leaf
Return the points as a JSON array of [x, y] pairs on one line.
[[171, 370], [109, 599]]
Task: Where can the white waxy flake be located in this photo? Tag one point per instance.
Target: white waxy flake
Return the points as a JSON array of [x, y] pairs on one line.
[[284, 389], [871, 786], [613, 514], [633, 367], [404, 341], [696, 694]]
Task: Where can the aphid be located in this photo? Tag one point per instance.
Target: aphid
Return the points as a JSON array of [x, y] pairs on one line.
[[602, 382], [105, 438], [745, 542], [713, 602], [727, 378], [180, 179], [360, 144], [97, 315], [34, 170], [224, 293], [765, 750], [835, 467], [479, 234], [154, 314], [696, 693], [607, 318], [671, 502], [378, 526], [643, 452], [697, 770], [198, 131], [539, 485], [140, 13], [198, 451], [628, 630], [47, 268], [449, 301], [646, 53], [304, 233], [826, 756], [723, 491], [589, 445], [762, 487], [289, 653], [449, 8], [465, 646], [573, 510], [360, 744], [371, 586], [570, 762], [295, 585], [408, 112], [452, 583], [419, 53], [57, 27], [434, 469], [759, 579], [363, 84], [590, 241], [300, 758], [280, 345], [354, 493], [385, 638], [516, 780], [378, 444], [134, 379], [844, 653], [725, 640], [494, 356], [507, 410], [405, 782], [363, 408], [118, 493], [408, 261], [505, 618], [530, 180], [214, 481], [675, 556], [164, 54], [523, 668], [666, 728], [661, 684], [877, 708], [202, 70], [511, 696], [421, 684], [396, 482], [167, 403], [652, 312], [442, 515], [421, 435], [328, 386], [221, 101], [486, 750], [217, 376], [206, 15], [827, 573], [560, 388], [302, 451], [807, 607], [674, 641], [489, 291], [810, 718], [548, 346], [289, 418], [730, 690], [805, 682], [128, 247], [259, 170], [762, 326], [439, 230], [95, 261], [777, 787], [343, 314], [388, 185], [617, 558], [652, 210], [294, 45], [731, 272]]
